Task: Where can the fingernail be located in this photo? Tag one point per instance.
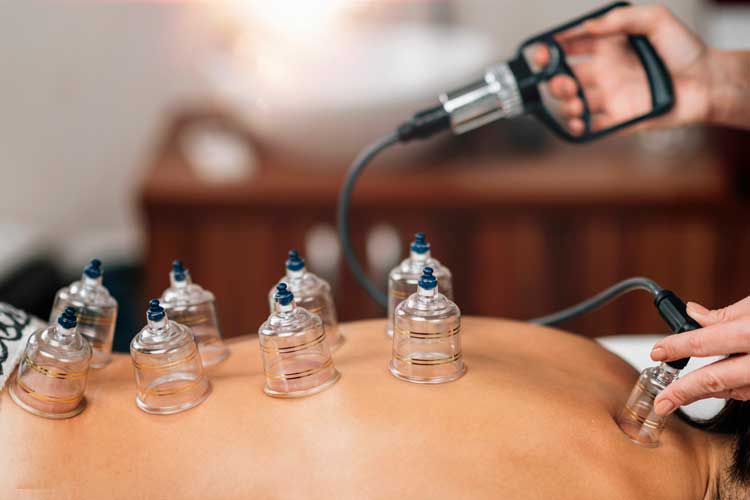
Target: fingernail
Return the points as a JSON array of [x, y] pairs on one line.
[[694, 308], [658, 354], [664, 407]]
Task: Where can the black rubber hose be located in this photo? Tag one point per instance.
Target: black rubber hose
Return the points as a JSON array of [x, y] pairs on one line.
[[424, 124], [345, 196], [670, 306], [356, 169], [600, 299]]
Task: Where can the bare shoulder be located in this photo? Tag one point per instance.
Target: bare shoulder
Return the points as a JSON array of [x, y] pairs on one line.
[[531, 419]]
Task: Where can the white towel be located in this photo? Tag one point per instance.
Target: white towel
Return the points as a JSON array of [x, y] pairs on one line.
[[636, 350], [15, 329]]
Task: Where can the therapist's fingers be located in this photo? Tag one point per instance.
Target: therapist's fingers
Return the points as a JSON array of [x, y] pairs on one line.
[[573, 33], [579, 46], [541, 55], [572, 108], [576, 126], [740, 394], [635, 20], [563, 87], [708, 317], [726, 377], [719, 339], [701, 314]]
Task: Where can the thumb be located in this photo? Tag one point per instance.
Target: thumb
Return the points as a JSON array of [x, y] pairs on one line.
[[635, 20], [708, 317]]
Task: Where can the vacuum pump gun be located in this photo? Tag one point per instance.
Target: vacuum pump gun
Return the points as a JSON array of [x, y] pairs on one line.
[[519, 86], [522, 86], [510, 89]]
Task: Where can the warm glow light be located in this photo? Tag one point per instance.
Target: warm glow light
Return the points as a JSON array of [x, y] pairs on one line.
[[288, 18], [272, 40]]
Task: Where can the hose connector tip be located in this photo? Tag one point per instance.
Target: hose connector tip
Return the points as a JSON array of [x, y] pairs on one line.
[[94, 269], [427, 281], [178, 270], [155, 311], [420, 244], [68, 318], [295, 262], [283, 295]]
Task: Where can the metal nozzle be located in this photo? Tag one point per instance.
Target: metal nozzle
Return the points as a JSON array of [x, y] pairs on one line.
[[484, 101]]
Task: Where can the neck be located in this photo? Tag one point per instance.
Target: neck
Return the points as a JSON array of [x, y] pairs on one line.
[[158, 329], [284, 308], [718, 460], [179, 283], [91, 282], [711, 456], [292, 275], [419, 257], [61, 333]]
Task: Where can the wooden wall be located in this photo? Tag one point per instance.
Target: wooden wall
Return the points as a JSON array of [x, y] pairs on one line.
[[523, 236]]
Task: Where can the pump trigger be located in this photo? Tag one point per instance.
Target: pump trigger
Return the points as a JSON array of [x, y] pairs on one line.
[[555, 59]]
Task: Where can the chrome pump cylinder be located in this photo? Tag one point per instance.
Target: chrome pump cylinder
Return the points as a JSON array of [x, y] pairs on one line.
[[495, 96]]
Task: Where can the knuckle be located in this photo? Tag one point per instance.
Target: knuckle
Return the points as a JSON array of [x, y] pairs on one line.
[[667, 346], [660, 11], [615, 17], [556, 82], [711, 383], [695, 344], [573, 107], [721, 314], [679, 396]]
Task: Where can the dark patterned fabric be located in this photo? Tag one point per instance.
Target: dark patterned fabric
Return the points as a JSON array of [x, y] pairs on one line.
[[16, 327], [13, 323]]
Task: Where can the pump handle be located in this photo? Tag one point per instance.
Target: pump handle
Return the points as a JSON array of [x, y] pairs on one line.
[[659, 79]]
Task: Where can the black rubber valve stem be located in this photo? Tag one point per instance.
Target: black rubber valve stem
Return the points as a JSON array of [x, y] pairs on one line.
[[674, 312]]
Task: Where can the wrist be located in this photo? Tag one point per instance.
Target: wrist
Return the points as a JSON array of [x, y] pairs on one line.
[[728, 88]]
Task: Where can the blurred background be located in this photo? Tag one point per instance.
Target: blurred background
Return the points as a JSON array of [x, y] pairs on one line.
[[218, 132]]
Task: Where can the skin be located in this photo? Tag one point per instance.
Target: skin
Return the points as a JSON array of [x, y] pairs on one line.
[[726, 332], [711, 86], [533, 418]]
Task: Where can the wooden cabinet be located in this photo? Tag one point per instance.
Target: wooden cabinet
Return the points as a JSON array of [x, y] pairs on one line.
[[524, 235]]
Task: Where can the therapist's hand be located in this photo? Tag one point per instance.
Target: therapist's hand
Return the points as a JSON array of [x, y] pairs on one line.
[[726, 332], [612, 77]]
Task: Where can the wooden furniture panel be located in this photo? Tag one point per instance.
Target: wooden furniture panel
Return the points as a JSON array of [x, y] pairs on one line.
[[524, 236]]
